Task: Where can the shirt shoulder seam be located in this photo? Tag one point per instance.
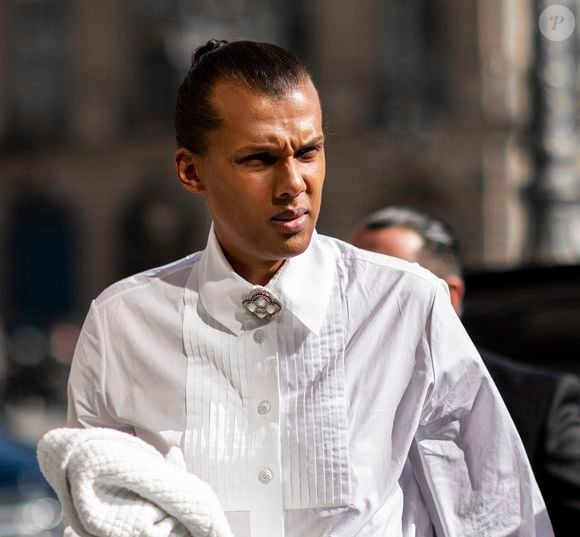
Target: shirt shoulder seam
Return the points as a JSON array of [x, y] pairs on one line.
[[430, 279], [135, 287]]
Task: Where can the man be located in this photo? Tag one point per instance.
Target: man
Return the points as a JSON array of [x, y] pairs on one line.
[[264, 356], [544, 404]]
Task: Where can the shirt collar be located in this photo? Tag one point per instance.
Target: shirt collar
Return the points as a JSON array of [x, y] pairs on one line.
[[303, 285]]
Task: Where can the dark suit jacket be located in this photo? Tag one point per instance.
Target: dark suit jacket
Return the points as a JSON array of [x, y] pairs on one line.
[[545, 407]]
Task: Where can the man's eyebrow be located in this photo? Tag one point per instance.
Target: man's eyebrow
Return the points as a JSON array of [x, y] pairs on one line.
[[266, 147], [315, 141], [257, 148]]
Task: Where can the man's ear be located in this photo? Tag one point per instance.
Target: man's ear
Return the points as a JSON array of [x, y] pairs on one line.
[[456, 292], [187, 167]]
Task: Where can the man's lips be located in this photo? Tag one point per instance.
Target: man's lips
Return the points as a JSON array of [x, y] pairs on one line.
[[289, 215], [291, 221]]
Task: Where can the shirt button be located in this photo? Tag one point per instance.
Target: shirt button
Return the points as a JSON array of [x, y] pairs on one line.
[[259, 336], [265, 476], [264, 407]]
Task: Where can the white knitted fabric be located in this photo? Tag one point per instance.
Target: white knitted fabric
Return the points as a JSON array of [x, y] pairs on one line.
[[112, 484]]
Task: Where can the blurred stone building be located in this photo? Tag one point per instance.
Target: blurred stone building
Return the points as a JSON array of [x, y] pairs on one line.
[[428, 103]]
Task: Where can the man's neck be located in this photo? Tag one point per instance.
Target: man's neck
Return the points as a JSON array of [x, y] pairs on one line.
[[259, 274]]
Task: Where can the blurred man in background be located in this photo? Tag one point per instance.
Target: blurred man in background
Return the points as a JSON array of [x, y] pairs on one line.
[[544, 404]]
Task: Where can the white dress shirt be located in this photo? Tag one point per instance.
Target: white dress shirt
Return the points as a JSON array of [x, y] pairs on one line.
[[362, 409]]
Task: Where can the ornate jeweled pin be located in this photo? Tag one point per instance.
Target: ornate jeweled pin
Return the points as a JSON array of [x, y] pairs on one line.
[[261, 303]]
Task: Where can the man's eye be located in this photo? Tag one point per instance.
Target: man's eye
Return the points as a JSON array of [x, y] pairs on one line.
[[260, 158], [308, 153]]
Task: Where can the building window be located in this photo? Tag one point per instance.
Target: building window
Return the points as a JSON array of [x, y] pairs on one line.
[[38, 88]]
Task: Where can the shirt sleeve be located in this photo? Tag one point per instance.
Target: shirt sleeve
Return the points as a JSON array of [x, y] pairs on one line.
[[87, 402], [467, 455], [87, 396]]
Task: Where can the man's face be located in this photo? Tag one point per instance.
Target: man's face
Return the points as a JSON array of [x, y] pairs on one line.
[[263, 173], [395, 241]]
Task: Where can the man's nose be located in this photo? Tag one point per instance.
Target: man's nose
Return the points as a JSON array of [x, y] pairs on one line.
[[289, 180]]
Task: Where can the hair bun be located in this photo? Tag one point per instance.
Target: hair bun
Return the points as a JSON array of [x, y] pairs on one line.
[[210, 46]]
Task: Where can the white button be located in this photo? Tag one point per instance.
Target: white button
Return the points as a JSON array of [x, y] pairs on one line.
[[265, 476], [259, 336], [264, 407]]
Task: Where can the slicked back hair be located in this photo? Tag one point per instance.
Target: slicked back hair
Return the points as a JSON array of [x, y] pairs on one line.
[[265, 68]]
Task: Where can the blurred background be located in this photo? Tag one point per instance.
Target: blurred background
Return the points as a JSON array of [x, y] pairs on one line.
[[466, 109]]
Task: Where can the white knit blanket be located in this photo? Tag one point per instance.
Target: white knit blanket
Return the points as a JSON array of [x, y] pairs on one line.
[[112, 484]]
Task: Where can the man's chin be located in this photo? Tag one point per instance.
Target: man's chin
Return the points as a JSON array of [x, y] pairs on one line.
[[298, 243], [277, 246]]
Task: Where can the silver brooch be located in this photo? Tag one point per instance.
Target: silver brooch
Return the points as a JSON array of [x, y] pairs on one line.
[[262, 303]]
